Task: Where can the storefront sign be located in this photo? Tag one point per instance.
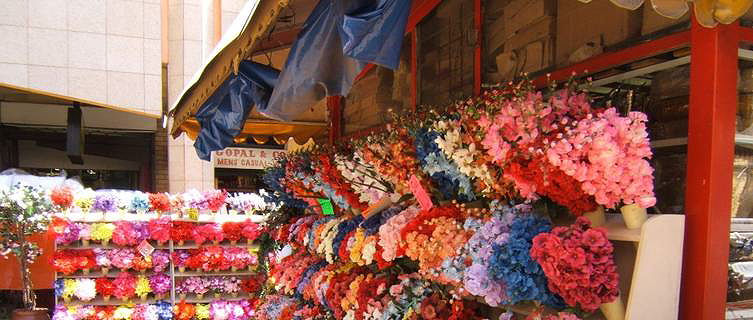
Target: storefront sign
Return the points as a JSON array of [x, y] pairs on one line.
[[246, 158]]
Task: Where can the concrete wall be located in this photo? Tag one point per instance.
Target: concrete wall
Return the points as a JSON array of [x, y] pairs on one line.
[[103, 50]]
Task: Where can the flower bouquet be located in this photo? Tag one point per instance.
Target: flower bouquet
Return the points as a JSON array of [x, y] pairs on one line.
[[181, 231], [143, 287], [159, 202], [160, 260], [591, 279], [105, 288], [102, 232], [160, 284], [124, 286], [159, 229], [232, 231]]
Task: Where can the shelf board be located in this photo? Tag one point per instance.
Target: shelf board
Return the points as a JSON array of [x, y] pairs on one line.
[[112, 274], [110, 245], [617, 231], [742, 140], [208, 298], [99, 301], [224, 244], [243, 272]]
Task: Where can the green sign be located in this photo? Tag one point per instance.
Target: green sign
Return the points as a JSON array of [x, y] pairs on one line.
[[326, 206]]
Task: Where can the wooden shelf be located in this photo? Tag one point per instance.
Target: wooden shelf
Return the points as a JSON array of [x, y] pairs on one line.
[[617, 231], [99, 301], [110, 245], [244, 272], [224, 244], [210, 297], [111, 274]]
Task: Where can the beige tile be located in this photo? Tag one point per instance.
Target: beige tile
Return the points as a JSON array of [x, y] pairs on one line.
[[88, 84], [192, 22], [87, 15], [174, 88], [152, 57], [52, 79], [125, 90], [177, 186], [175, 57], [227, 20], [125, 18], [15, 44], [14, 12], [125, 54], [48, 47], [87, 50], [233, 5], [192, 163], [16, 74], [153, 94], [195, 184], [48, 14], [175, 22], [152, 21], [191, 57]]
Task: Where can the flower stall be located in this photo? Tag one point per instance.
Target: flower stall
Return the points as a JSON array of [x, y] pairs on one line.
[[134, 255]]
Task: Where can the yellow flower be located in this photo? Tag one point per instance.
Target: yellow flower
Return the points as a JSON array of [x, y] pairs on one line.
[[69, 287], [202, 311], [142, 286], [102, 231]]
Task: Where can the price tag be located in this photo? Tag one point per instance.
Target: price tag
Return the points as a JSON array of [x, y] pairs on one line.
[[193, 214], [420, 193], [145, 248], [327, 208]]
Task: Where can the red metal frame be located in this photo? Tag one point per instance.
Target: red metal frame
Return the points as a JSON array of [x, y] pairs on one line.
[[420, 9], [711, 149]]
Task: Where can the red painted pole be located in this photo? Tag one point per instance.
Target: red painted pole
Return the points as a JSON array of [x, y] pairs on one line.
[[708, 194], [334, 105]]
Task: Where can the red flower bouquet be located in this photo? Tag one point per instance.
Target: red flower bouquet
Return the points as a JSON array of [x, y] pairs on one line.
[[159, 202], [253, 284], [251, 230], [207, 232], [70, 261], [140, 263], [579, 264], [184, 311], [232, 231], [125, 286], [215, 199], [159, 229], [62, 197], [181, 231], [125, 234], [105, 287]]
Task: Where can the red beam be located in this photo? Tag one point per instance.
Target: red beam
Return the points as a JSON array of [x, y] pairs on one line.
[[612, 59], [477, 60], [364, 72], [334, 106], [420, 9], [711, 136]]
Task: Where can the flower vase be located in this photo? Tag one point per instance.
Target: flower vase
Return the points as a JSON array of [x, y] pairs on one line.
[[105, 242], [235, 294], [614, 310], [216, 242], [181, 242], [67, 298], [143, 297], [233, 242], [105, 271], [161, 243], [597, 217], [142, 271], [123, 269], [251, 268], [199, 296], [217, 295], [182, 296], [85, 242], [249, 241], [125, 300], [233, 269], [182, 269], [106, 298], [634, 216], [86, 271], [160, 296]]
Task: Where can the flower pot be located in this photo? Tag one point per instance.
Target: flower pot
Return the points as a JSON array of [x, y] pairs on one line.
[[161, 242], [105, 271], [37, 314], [633, 215], [182, 269], [251, 268], [160, 296], [85, 271], [123, 269], [614, 310], [235, 294], [182, 296], [85, 242], [105, 242], [143, 297], [217, 295], [199, 296], [233, 269], [66, 298], [597, 217], [233, 242], [106, 298], [215, 242], [125, 300], [249, 241], [181, 242]]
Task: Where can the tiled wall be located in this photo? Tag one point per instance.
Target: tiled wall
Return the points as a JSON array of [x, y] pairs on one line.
[[102, 50]]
